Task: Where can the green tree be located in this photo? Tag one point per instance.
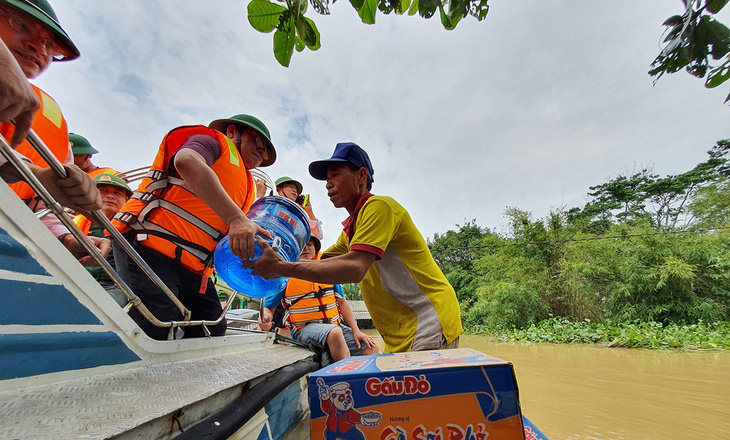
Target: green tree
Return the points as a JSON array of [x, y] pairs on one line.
[[522, 284], [665, 278], [352, 292], [455, 253], [620, 200], [671, 195], [665, 201], [711, 205]]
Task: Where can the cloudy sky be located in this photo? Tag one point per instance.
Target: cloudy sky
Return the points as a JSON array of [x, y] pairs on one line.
[[527, 108]]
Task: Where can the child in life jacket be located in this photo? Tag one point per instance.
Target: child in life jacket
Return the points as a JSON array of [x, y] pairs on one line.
[[319, 315]]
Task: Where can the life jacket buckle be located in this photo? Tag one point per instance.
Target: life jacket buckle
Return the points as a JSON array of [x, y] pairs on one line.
[[126, 217], [156, 175], [147, 197]]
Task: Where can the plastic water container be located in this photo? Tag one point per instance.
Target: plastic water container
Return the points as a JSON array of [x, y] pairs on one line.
[[289, 227]]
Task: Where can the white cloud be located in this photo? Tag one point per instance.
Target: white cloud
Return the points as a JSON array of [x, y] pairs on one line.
[[526, 109]]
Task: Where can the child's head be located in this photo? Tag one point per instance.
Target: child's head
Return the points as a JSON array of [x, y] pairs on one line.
[[311, 249]]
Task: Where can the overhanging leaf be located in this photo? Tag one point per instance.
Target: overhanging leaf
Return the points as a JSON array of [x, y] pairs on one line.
[[479, 10], [414, 7], [719, 38], [715, 6], [426, 8], [264, 15], [367, 11], [318, 42], [357, 4], [403, 7], [718, 75], [307, 32], [284, 45], [447, 20], [321, 6], [387, 6]]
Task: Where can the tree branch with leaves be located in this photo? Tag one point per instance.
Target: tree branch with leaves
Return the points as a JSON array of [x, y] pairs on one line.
[[696, 42], [295, 31]]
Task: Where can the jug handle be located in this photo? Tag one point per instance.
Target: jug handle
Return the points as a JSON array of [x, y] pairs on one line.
[[276, 244]]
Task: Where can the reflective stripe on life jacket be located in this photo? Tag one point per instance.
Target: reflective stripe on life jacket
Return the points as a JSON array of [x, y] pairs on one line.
[[50, 125], [307, 302], [83, 223], [170, 218]]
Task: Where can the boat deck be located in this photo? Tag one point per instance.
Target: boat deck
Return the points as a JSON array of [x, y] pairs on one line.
[[138, 403], [361, 314]]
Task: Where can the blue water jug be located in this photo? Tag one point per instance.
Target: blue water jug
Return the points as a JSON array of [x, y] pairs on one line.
[[289, 227]]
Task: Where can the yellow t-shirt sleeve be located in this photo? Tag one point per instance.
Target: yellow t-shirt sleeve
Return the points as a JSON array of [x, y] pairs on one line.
[[339, 248], [376, 226]]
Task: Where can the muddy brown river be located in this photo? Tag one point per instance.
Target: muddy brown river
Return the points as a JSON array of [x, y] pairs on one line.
[[587, 392]]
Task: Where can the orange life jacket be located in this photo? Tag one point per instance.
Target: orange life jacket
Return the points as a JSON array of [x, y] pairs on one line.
[[169, 218], [83, 223], [51, 127], [307, 302]]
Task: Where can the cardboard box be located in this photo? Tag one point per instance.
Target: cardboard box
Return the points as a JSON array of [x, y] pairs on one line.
[[458, 394]]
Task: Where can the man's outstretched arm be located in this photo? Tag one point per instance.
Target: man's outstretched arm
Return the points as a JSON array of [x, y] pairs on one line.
[[347, 268]]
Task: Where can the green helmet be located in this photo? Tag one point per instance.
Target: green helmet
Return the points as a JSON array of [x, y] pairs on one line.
[[80, 145], [317, 244], [112, 179], [250, 122], [285, 179], [41, 10]]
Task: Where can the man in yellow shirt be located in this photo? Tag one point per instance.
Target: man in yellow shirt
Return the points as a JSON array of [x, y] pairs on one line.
[[411, 303]]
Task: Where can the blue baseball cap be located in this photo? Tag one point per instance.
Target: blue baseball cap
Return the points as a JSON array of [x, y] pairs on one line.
[[344, 152]]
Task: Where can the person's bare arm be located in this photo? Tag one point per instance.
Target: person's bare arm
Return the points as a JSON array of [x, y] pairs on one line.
[[103, 245], [77, 191], [266, 319], [17, 99], [348, 268], [350, 320], [260, 188], [205, 184]]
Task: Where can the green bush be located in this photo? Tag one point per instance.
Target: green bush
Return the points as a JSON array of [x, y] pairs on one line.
[[654, 335], [681, 278], [505, 305]]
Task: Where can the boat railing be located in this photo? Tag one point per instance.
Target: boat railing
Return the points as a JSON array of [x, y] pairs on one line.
[[134, 175], [270, 187], [52, 206]]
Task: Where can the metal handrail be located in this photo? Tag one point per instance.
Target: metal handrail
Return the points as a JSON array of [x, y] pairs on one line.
[[60, 172], [53, 206], [135, 174], [259, 174], [126, 173]]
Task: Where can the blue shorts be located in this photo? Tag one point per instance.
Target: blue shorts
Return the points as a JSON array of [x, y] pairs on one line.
[[317, 333]]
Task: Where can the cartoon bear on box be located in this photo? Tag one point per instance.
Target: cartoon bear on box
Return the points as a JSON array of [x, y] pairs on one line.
[[342, 419]]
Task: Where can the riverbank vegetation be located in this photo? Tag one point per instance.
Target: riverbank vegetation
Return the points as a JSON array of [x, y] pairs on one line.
[[700, 336], [644, 263]]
